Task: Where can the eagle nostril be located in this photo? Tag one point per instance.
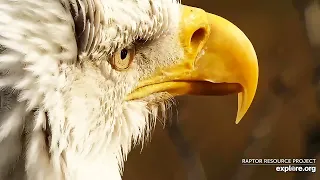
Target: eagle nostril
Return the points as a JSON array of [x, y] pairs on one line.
[[198, 36]]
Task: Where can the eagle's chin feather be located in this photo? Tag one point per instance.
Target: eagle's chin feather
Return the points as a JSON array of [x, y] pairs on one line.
[[111, 148]]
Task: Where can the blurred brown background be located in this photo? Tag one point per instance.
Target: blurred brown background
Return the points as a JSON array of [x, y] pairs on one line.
[[283, 120]]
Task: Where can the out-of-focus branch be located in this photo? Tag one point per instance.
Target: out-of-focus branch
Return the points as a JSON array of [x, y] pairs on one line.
[[309, 11], [191, 161], [260, 138]]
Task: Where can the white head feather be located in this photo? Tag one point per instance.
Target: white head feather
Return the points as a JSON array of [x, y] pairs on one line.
[[55, 67]]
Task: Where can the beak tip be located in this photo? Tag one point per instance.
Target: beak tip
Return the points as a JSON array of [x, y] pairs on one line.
[[238, 119]]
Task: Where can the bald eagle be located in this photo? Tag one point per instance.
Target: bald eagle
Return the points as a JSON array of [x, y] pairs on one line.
[[83, 81]]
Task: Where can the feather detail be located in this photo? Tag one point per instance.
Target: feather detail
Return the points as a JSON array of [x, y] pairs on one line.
[[37, 154], [88, 18], [13, 122]]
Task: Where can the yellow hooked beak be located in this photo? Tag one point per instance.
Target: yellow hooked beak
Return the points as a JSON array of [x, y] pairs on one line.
[[218, 60]]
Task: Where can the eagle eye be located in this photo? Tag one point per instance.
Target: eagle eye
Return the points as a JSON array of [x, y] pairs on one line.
[[122, 59]]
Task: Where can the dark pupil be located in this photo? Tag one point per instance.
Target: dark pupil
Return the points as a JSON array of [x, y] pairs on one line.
[[124, 53]]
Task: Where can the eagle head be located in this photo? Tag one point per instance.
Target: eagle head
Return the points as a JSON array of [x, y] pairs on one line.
[[89, 77]]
